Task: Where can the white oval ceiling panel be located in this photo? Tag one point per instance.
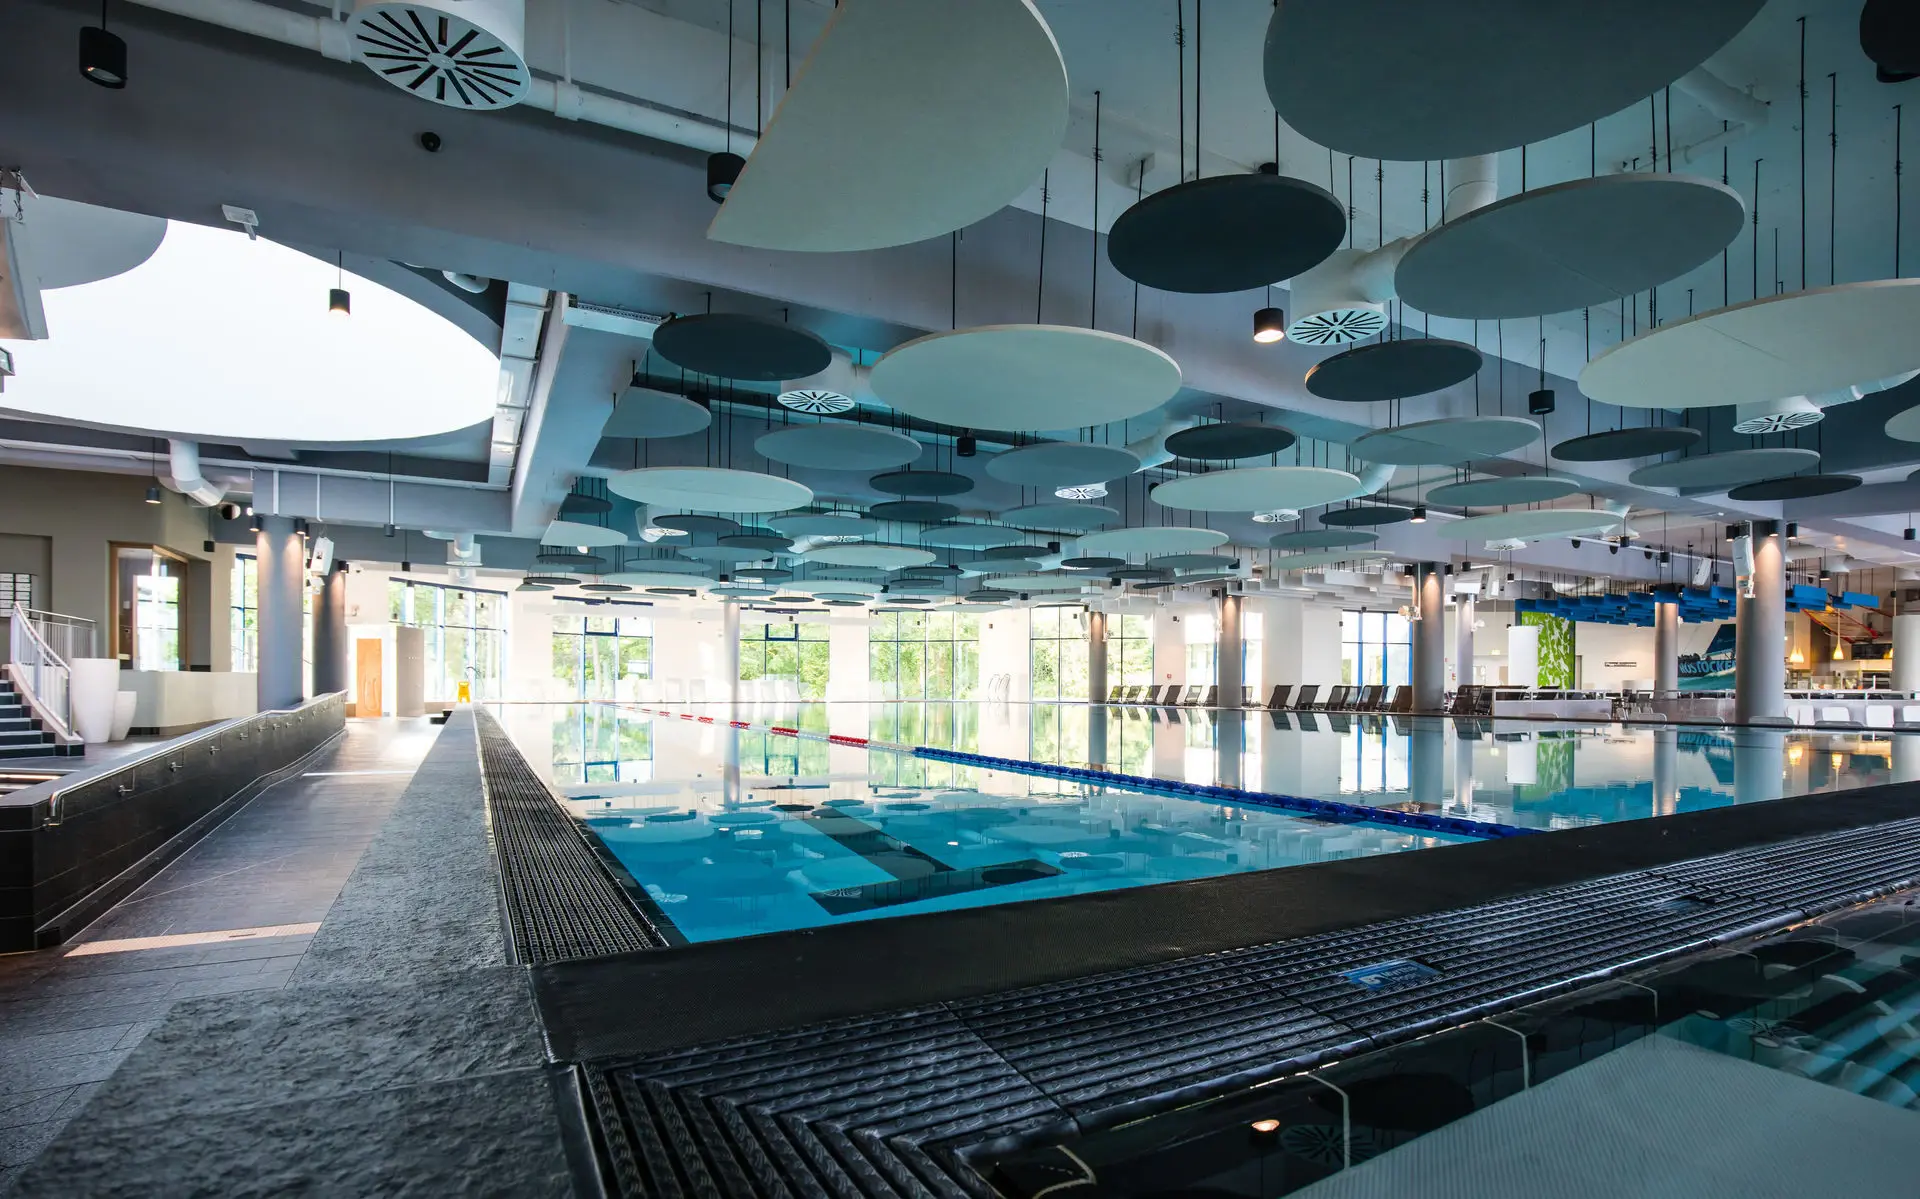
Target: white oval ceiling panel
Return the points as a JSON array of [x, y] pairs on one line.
[[910, 119], [1062, 464], [1256, 489], [1728, 468], [824, 524], [1496, 493], [644, 412], [1324, 558], [838, 447], [838, 587], [710, 489], [1152, 539], [69, 243], [227, 339], [858, 553], [1529, 523], [1039, 582], [1065, 517], [1800, 343], [970, 536], [1025, 378], [1905, 426], [1446, 442], [649, 578], [573, 532]]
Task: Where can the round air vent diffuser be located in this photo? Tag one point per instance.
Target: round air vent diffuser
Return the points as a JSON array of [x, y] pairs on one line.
[[460, 53]]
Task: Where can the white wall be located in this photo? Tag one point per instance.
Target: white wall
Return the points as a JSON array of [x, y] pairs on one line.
[[1004, 650], [1597, 645]]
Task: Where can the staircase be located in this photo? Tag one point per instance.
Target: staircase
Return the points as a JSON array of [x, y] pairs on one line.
[[20, 733]]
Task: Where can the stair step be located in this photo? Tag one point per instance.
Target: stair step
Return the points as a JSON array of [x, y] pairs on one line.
[[18, 724], [26, 751], [25, 737], [12, 711]]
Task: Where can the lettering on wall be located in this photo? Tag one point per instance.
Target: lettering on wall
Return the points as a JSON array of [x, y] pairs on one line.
[[1623, 665]]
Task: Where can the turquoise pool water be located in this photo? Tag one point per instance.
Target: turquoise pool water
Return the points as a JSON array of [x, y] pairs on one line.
[[731, 832]]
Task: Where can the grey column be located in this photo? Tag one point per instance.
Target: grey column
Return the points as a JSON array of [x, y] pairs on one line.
[[1426, 762], [1760, 653], [1429, 641], [330, 632], [280, 557], [1229, 743], [1666, 650], [1463, 618], [1096, 657], [1228, 651], [1906, 652], [1666, 772]]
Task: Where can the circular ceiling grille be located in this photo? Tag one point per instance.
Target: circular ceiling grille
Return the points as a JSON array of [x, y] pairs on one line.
[[1337, 326], [1081, 491], [817, 402], [1778, 422], [439, 57], [1276, 516]]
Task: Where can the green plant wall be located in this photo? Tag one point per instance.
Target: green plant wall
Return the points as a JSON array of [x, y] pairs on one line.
[[1556, 647]]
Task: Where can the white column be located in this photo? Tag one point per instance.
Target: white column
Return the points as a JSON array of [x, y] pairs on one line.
[[330, 647], [280, 559], [1228, 651], [1096, 657], [1666, 649], [1169, 649], [1906, 652], [1760, 651], [1463, 618], [1429, 646], [730, 658]]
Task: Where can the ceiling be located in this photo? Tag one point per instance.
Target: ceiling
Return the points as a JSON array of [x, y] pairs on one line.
[[571, 208]]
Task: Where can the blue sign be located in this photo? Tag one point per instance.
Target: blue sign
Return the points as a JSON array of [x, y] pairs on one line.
[[1384, 976]]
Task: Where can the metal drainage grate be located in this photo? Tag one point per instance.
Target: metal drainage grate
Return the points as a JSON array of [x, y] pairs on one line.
[[560, 901]]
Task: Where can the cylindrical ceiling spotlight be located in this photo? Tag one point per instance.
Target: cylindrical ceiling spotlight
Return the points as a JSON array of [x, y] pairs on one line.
[[153, 493], [387, 530], [103, 56], [1540, 403], [1269, 326], [966, 445], [722, 170], [1419, 516], [339, 303], [1908, 535]]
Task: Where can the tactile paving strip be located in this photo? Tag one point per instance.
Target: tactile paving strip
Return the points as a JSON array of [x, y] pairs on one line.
[[560, 902], [894, 1104]]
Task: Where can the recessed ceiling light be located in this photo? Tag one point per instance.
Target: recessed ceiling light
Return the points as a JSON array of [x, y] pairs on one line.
[[1081, 491]]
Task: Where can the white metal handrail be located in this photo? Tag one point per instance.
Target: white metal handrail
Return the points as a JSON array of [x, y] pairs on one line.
[[42, 673], [69, 637]]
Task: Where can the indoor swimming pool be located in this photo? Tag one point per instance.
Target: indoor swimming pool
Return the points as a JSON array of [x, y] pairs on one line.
[[728, 832]]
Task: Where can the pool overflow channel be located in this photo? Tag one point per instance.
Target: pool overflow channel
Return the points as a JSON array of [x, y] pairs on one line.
[[1326, 810]]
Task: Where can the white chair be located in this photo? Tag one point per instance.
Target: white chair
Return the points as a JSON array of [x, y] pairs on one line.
[[1801, 714], [1879, 716], [1835, 712], [1910, 712]]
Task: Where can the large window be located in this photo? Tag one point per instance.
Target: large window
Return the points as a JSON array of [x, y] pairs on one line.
[[465, 634], [1202, 643], [1058, 660], [243, 613], [1375, 647], [594, 744], [149, 588], [795, 653], [1253, 635], [923, 655], [1129, 650], [602, 657]]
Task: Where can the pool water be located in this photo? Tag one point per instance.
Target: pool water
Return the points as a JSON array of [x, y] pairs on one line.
[[730, 832]]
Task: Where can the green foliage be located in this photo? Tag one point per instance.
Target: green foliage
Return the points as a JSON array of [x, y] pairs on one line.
[[1556, 647]]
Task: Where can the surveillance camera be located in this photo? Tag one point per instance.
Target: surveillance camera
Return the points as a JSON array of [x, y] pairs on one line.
[[1613, 549], [430, 142], [229, 511]]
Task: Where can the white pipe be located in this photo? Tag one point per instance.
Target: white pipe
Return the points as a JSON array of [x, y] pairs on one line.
[[1152, 449], [472, 283], [1472, 183], [323, 35], [1743, 113], [183, 474]]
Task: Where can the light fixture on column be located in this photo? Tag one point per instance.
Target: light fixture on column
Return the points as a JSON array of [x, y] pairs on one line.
[[103, 56], [339, 303], [300, 526], [254, 523]]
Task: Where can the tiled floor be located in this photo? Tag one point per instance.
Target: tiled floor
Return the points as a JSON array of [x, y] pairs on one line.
[[68, 1020]]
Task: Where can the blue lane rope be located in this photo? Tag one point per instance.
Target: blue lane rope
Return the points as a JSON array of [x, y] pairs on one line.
[[1316, 809]]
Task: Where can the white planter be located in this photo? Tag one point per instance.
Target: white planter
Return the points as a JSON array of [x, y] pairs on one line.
[[91, 689], [123, 705]]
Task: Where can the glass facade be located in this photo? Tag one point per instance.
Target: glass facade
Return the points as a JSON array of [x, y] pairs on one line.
[[1375, 647], [1201, 634], [795, 653], [1129, 650], [594, 743], [602, 657], [1058, 653], [465, 633], [243, 613], [924, 655]]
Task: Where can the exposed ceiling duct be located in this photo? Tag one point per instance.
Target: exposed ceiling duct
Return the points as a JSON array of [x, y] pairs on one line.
[[183, 474], [1797, 412]]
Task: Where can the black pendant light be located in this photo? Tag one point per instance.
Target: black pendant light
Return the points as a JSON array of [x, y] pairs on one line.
[[724, 167], [103, 56], [339, 303], [1269, 326]]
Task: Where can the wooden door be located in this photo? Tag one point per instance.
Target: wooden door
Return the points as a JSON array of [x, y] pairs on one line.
[[366, 673]]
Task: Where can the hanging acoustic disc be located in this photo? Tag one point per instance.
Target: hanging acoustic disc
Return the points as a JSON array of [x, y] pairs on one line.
[[1618, 445], [1256, 488], [1141, 574], [996, 566], [645, 412], [710, 489], [1151, 539], [723, 554], [1497, 493], [1446, 441], [1190, 562], [605, 587], [838, 447], [763, 574], [932, 570], [1227, 233], [969, 536], [1531, 523], [573, 558], [549, 582], [1070, 518], [904, 599], [1434, 79], [1328, 558], [823, 524], [734, 345], [842, 580], [1320, 539], [762, 540], [917, 511], [1366, 516], [1094, 562], [1585, 242], [1393, 370], [1728, 468], [1229, 441], [1795, 487], [573, 532], [652, 578], [675, 566], [921, 483], [989, 595], [1025, 377], [844, 603], [1015, 551], [919, 587], [1062, 464], [585, 505], [678, 591], [695, 522], [879, 557], [533, 587]]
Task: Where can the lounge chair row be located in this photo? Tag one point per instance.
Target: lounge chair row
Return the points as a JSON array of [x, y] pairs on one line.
[[1286, 697]]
